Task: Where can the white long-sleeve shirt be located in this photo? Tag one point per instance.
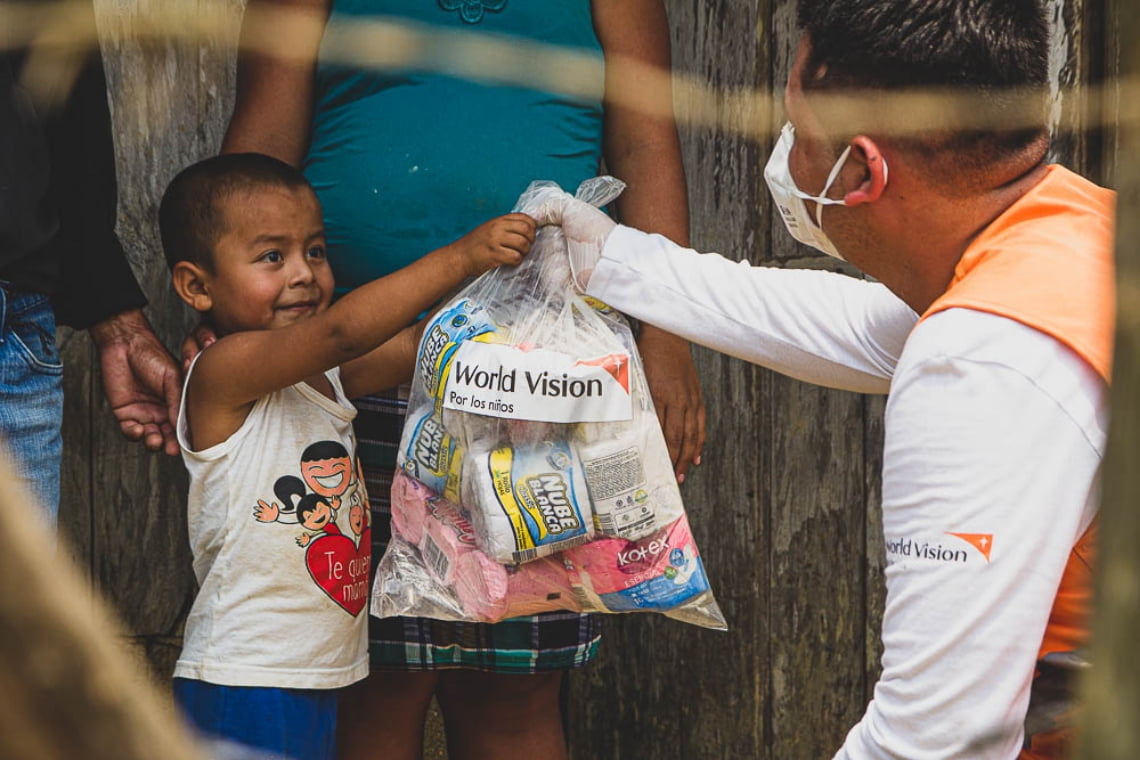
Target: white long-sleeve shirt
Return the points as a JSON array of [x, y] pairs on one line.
[[994, 438]]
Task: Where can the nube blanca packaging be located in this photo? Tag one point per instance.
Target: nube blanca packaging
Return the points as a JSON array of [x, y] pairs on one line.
[[533, 473]]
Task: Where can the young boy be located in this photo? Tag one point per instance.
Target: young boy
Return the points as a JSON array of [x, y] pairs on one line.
[[281, 550]]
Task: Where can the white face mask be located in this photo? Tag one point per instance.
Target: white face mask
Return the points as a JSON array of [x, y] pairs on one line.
[[790, 199]]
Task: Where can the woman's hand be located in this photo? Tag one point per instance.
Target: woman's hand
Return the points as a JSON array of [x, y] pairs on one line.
[[676, 393]]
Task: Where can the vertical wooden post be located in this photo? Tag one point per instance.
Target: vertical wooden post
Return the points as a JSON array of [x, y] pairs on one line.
[[1112, 688]]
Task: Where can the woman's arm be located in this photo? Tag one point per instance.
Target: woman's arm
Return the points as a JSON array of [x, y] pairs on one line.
[[273, 108], [641, 148]]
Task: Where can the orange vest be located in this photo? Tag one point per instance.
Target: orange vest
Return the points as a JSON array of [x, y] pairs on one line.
[[1047, 262]]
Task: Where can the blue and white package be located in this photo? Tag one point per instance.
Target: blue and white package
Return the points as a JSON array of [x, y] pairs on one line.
[[660, 572], [429, 453], [526, 501], [454, 324]]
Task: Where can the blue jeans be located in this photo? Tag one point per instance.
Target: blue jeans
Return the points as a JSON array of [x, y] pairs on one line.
[[31, 394]]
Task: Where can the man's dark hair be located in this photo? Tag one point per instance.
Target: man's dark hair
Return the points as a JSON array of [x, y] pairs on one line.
[[986, 48], [191, 217]]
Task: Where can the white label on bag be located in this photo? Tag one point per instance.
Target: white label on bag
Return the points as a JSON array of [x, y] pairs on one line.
[[546, 386]]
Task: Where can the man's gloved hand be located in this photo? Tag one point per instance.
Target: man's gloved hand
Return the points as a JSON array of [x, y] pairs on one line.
[[585, 227]]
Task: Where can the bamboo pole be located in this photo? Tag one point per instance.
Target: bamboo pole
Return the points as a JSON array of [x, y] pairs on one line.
[[67, 688], [1111, 716]]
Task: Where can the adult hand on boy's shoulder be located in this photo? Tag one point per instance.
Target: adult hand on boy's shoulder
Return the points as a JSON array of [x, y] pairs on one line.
[[195, 343], [140, 379]]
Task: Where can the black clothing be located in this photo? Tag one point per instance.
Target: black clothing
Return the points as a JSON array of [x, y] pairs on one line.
[[58, 199]]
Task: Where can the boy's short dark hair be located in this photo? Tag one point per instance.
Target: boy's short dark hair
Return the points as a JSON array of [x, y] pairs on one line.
[[986, 48], [191, 216]]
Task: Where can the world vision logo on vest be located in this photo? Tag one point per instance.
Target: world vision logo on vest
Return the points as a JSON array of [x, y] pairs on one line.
[[980, 541], [942, 551]]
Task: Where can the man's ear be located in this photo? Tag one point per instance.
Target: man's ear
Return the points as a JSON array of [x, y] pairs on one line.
[[191, 283], [866, 156]]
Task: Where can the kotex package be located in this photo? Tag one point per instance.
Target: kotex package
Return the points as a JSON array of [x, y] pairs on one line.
[[662, 571], [531, 415]]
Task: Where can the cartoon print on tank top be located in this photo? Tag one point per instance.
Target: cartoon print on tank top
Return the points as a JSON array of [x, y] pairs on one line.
[[471, 11], [338, 564]]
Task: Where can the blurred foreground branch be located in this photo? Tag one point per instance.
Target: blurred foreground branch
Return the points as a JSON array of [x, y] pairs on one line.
[[69, 691], [50, 28], [1111, 689]]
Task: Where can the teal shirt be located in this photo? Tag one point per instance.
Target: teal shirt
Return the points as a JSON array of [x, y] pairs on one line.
[[405, 161]]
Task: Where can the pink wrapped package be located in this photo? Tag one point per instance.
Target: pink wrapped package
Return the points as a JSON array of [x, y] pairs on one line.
[[539, 586], [658, 572], [409, 507], [486, 590], [490, 591], [481, 585], [447, 536]]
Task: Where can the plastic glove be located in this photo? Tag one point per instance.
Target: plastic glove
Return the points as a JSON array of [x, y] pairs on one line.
[[585, 227]]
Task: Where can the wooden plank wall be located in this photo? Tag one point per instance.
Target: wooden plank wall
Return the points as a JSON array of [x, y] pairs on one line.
[[785, 507], [122, 508]]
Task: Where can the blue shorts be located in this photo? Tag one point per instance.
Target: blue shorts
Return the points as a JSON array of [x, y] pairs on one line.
[[299, 724]]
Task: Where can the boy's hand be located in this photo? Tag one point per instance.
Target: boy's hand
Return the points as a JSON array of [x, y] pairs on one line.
[[503, 240]]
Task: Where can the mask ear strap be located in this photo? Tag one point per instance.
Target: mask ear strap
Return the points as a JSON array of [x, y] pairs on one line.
[[823, 200]]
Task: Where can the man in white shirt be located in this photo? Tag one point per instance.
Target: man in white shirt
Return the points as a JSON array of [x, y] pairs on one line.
[[990, 327]]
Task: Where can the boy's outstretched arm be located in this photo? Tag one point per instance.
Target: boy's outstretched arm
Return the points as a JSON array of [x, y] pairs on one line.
[[383, 367], [244, 366]]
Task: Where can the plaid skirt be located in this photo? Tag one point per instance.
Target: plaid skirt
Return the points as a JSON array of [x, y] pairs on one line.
[[549, 641]]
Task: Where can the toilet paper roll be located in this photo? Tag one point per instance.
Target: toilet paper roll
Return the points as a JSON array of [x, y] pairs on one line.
[[429, 453], [526, 502], [455, 323]]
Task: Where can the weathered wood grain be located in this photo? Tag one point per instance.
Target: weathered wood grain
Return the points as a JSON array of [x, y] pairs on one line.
[[660, 688], [123, 507], [826, 601], [1076, 59]]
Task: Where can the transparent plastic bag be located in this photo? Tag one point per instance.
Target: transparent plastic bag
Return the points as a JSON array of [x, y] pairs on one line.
[[534, 474]]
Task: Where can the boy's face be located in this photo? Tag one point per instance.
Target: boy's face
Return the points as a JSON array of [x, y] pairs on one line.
[[269, 265]]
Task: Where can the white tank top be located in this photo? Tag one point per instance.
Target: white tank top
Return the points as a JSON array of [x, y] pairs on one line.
[[280, 534]]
